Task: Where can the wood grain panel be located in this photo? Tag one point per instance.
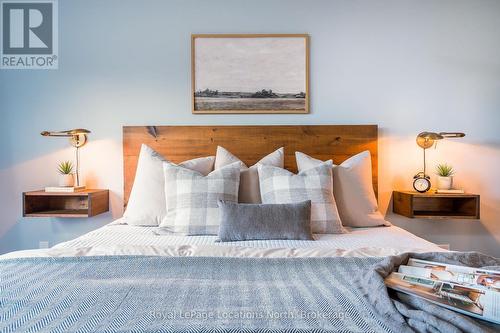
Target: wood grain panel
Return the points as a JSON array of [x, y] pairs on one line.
[[86, 203], [436, 205], [249, 143]]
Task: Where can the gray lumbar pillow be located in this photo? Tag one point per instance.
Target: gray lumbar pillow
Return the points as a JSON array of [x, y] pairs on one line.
[[240, 222]]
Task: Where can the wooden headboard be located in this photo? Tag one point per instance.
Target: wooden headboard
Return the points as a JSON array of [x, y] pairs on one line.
[[249, 143]]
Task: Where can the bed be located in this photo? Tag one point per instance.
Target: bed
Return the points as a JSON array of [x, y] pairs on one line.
[[132, 278], [118, 238]]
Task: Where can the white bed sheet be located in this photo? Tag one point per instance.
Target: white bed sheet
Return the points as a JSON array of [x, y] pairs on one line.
[[118, 238]]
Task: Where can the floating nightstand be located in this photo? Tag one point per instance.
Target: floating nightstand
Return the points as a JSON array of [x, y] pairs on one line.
[[436, 205], [86, 203]]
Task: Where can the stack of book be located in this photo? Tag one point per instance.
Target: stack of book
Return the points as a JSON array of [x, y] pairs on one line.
[[471, 291], [453, 191], [64, 189]]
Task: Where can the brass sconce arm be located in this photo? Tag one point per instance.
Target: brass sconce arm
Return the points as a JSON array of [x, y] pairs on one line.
[[78, 136]]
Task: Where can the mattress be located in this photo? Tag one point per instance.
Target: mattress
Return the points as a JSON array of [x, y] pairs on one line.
[[118, 238]]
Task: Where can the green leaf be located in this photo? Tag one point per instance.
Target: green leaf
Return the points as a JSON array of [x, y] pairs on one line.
[[65, 168], [444, 170]]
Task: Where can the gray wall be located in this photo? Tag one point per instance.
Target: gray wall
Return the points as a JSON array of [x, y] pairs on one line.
[[404, 65]]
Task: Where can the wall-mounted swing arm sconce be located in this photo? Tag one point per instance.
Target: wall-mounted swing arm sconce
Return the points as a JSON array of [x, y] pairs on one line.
[[77, 138], [425, 140]]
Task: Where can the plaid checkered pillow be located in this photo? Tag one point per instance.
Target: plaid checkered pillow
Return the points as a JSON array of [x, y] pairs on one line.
[[192, 198], [280, 186]]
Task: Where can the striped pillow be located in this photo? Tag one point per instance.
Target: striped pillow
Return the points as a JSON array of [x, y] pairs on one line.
[[280, 186], [192, 198]]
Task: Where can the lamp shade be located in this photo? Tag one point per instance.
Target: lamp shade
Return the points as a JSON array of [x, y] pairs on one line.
[[72, 132], [77, 136], [426, 139], [452, 134]]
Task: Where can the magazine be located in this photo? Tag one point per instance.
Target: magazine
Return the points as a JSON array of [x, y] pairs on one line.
[[471, 291], [470, 276]]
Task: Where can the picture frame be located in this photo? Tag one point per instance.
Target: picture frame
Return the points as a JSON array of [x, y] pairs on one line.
[[250, 73]]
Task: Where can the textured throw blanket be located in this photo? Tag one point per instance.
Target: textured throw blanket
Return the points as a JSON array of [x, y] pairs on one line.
[[211, 294]]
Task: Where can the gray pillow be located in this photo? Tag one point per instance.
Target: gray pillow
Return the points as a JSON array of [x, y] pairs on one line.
[[240, 222], [352, 189], [280, 186], [192, 198]]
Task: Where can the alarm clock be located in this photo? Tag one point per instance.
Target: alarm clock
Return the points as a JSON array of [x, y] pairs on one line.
[[421, 182]]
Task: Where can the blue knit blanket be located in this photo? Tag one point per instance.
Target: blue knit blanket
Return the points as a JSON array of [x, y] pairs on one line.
[[192, 294]]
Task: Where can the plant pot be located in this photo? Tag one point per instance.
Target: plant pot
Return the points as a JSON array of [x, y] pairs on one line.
[[445, 183], [66, 180]]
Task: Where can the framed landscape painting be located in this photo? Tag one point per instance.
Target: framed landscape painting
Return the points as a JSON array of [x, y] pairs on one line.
[[264, 73]]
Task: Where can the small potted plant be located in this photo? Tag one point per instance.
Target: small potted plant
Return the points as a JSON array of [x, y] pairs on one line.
[[65, 169], [445, 174]]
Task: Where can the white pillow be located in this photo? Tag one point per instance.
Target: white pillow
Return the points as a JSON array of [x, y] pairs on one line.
[[280, 186], [352, 188], [193, 198], [146, 204], [249, 191]]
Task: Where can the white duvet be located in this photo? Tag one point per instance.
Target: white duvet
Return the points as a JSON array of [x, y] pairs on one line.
[[118, 238]]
